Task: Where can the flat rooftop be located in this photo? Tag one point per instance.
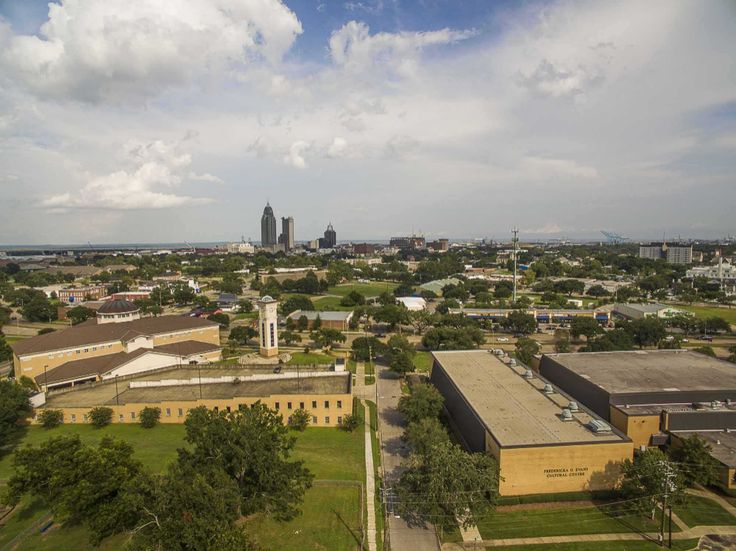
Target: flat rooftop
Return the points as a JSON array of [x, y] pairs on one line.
[[513, 409], [723, 444], [649, 370], [104, 393]]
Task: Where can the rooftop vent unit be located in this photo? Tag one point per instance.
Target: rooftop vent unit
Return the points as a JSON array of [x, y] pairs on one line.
[[715, 404], [528, 374], [597, 426], [566, 415], [573, 406], [548, 389], [728, 401]]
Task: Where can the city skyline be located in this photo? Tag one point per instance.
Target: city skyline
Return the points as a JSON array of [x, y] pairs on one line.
[[448, 121]]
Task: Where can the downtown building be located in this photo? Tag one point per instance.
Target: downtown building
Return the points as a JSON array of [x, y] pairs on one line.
[[672, 254]]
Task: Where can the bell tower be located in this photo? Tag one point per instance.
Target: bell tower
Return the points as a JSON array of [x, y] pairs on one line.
[[268, 327]]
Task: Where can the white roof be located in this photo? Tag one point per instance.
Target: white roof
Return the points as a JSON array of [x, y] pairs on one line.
[[416, 303]]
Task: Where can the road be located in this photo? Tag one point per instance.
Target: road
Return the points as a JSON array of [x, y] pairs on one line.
[[402, 537]]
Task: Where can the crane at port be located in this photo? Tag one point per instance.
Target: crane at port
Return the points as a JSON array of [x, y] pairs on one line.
[[613, 237]]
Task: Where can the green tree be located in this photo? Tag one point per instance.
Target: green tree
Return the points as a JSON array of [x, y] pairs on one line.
[[646, 331], [39, 309], [588, 327], [425, 434], [644, 478], [454, 485], [149, 417], [705, 349], [423, 401], [349, 422], [452, 338], [694, 459], [317, 323], [401, 363], [245, 306], [241, 334], [302, 323], [353, 298], [78, 314], [420, 320], [254, 448], [50, 418], [366, 348], [327, 336], [597, 291], [526, 348], [299, 420], [100, 416], [294, 303], [221, 318], [519, 321], [6, 353], [290, 338], [14, 408], [183, 294], [398, 345]]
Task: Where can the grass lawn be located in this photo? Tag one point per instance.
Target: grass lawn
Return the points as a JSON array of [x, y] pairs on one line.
[[331, 454], [331, 304], [634, 545], [728, 314], [28, 512], [368, 290], [561, 521], [422, 361], [703, 511], [300, 358], [69, 537], [10, 339], [154, 447]]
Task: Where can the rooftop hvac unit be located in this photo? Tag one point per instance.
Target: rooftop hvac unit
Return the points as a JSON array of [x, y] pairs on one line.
[[566, 415], [528, 374], [573, 406], [548, 389], [715, 404], [598, 426], [512, 362]]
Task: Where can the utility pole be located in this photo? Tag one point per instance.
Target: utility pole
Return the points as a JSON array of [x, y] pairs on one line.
[[668, 487], [515, 231]]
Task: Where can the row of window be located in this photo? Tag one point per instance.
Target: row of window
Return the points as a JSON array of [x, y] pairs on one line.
[[80, 350], [180, 413], [289, 405]]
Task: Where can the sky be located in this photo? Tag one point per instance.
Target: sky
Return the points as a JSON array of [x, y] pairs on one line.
[[177, 120]]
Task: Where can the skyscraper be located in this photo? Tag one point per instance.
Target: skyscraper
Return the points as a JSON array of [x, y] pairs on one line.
[[287, 233], [268, 227], [330, 239]]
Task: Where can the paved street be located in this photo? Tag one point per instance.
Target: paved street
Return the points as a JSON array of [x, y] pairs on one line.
[[390, 423]]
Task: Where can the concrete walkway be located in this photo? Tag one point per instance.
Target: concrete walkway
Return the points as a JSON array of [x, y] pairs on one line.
[[370, 482]]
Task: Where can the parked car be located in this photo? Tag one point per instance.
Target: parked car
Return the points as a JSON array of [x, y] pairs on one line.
[[502, 339]]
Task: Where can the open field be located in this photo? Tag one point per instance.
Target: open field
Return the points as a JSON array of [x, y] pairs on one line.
[[600, 546], [331, 511], [728, 314], [372, 289], [330, 303], [702, 511], [422, 361]]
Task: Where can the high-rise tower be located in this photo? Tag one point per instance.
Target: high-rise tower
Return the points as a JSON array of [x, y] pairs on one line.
[[268, 227], [330, 239], [287, 233]]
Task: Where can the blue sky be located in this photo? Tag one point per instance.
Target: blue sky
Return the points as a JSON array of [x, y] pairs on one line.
[[171, 120]]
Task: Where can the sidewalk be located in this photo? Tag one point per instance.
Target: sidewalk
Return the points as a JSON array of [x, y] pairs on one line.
[[370, 481]]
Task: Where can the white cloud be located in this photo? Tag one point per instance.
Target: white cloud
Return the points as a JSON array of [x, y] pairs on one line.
[[354, 48], [337, 148], [156, 165], [96, 49], [295, 156], [542, 167]]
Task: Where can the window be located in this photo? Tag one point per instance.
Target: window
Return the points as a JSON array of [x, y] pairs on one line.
[[277, 406], [86, 349], [339, 404], [301, 405], [339, 420], [288, 405], [78, 351], [327, 420], [327, 404], [74, 418], [168, 412], [84, 418], [94, 349], [181, 412], [314, 420], [314, 404], [121, 418], [216, 409], [132, 414], [228, 409]]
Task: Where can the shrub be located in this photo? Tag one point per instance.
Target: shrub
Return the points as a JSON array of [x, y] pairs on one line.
[[50, 418], [300, 420], [100, 416], [150, 417], [349, 423]]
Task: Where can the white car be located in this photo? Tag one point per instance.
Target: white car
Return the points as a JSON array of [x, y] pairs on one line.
[[502, 339]]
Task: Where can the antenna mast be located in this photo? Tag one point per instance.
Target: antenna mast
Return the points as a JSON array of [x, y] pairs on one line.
[[515, 231]]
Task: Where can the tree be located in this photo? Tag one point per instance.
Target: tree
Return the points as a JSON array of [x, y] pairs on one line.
[[425, 434], [694, 460], [398, 345], [366, 348], [83, 484], [290, 338], [50, 418], [597, 291], [327, 336], [221, 318], [618, 339], [349, 422], [423, 401], [644, 478], [401, 363], [317, 323], [588, 327], [300, 419], [149, 417], [6, 353], [706, 349], [526, 348], [453, 338], [241, 334], [646, 331], [14, 408], [294, 303], [392, 315], [183, 294], [100, 416], [353, 298], [254, 448], [420, 320], [39, 309], [302, 323], [245, 306], [455, 485], [520, 322], [78, 314]]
